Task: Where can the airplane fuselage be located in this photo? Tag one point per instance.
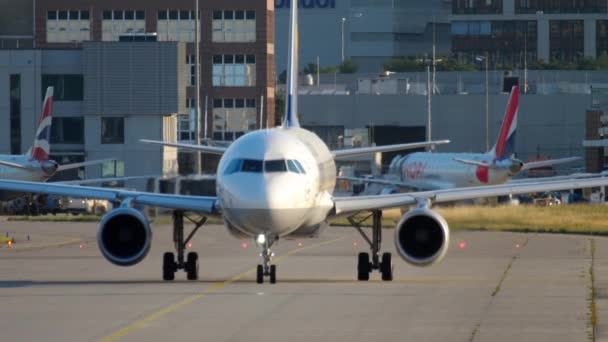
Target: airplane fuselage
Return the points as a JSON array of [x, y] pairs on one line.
[[275, 182], [442, 170], [32, 172]]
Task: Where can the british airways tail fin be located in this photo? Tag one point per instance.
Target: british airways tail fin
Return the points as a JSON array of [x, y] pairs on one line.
[[291, 98], [505, 145], [42, 145]]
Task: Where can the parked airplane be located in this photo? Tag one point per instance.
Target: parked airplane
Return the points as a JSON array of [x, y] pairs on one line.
[[430, 171], [278, 183], [35, 165]]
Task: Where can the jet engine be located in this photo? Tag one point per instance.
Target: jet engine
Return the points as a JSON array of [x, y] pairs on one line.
[[124, 236], [422, 237]]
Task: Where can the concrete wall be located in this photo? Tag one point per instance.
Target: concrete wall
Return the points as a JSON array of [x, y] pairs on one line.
[[553, 124], [27, 63], [134, 78], [139, 158]]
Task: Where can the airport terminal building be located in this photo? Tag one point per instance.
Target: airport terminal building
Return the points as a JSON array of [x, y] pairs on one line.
[[125, 70]]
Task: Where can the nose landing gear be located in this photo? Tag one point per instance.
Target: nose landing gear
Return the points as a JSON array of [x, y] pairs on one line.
[[266, 269]]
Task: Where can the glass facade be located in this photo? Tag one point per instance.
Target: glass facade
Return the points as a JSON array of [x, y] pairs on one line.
[[15, 113], [476, 6], [601, 38], [234, 71], [233, 26], [560, 6], [566, 40], [507, 42], [116, 23], [67, 26], [233, 118]]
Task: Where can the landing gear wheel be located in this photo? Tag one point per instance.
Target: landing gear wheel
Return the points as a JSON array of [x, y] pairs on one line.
[[260, 274], [169, 266], [192, 266], [386, 267], [363, 267], [273, 274]]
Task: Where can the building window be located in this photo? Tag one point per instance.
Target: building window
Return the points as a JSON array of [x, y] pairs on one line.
[[234, 70], [112, 130], [68, 26], [15, 113], [67, 130], [191, 72], [566, 40], [190, 103], [477, 6], [233, 118], [233, 26], [560, 6], [67, 87], [112, 169], [185, 131], [507, 42], [176, 25], [122, 23], [601, 37]]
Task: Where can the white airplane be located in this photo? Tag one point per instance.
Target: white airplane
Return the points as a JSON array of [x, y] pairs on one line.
[[35, 166], [431, 171], [278, 183]]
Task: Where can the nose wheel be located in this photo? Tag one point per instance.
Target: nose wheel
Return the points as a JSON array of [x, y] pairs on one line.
[[189, 264], [266, 269], [365, 264]]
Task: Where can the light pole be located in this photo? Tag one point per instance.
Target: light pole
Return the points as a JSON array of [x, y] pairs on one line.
[[343, 22], [198, 160]]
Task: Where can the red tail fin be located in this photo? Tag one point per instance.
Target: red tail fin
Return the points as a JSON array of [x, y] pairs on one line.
[[42, 145], [505, 146]]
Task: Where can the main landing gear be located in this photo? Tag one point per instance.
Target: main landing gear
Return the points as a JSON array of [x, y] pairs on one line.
[[266, 269], [190, 264], [365, 266]]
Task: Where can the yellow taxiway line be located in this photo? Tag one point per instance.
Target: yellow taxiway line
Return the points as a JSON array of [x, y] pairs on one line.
[[174, 307]]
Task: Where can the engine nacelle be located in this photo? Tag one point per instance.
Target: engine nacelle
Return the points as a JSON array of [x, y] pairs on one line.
[[422, 237], [124, 236]]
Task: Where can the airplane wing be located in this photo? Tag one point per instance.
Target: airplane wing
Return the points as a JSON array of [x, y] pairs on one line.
[[381, 181], [201, 204], [353, 204], [79, 165], [354, 152], [543, 163], [14, 165], [429, 184], [103, 180], [192, 147]]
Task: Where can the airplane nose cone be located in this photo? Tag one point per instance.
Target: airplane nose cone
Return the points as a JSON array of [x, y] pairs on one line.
[[49, 167], [271, 203], [516, 166]]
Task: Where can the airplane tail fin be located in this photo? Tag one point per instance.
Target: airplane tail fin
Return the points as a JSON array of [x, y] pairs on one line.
[[505, 145], [42, 145], [291, 101]]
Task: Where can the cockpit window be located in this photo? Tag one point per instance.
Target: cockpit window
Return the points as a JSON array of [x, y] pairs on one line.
[[302, 171], [251, 165], [275, 166], [259, 166], [292, 166], [233, 167]]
